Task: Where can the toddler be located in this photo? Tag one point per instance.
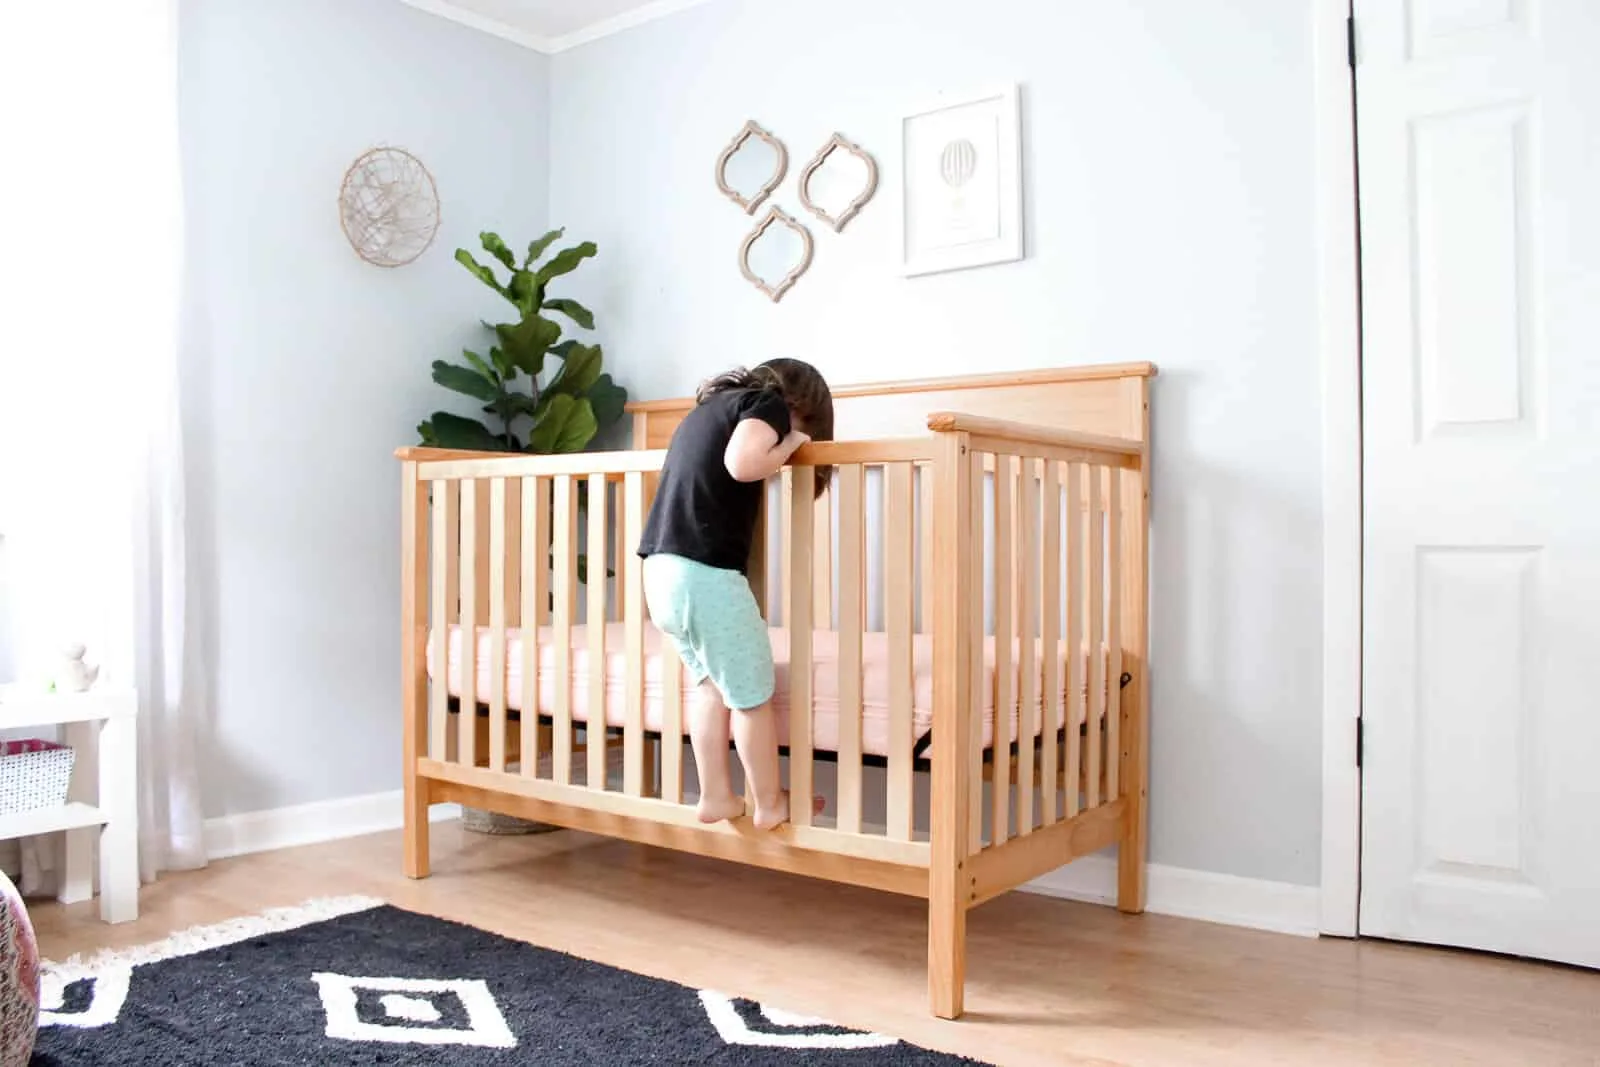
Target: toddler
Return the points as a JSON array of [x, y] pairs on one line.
[[696, 545]]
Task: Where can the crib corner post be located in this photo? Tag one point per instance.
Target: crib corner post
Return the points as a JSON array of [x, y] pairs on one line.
[[949, 873], [1134, 757], [413, 665]]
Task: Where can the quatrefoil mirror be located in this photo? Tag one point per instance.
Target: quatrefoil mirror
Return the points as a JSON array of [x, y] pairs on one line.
[[752, 165], [838, 182], [775, 253]]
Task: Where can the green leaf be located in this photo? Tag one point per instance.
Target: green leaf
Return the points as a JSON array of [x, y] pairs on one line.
[[465, 380], [526, 291], [527, 342], [453, 431], [536, 248], [511, 405], [425, 432], [580, 368], [502, 363], [607, 398], [479, 271], [566, 425], [483, 368], [565, 348], [497, 248], [566, 261], [572, 310]]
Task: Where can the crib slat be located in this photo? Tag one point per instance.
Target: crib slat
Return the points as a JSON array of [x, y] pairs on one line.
[[898, 622], [801, 532], [785, 522], [671, 725], [925, 513], [513, 554], [467, 720], [977, 682], [497, 624], [1077, 599], [1114, 632], [1004, 688], [852, 586], [565, 551], [1027, 614], [441, 607], [1097, 609], [535, 598], [594, 732], [480, 549], [632, 568], [1049, 630], [822, 564]]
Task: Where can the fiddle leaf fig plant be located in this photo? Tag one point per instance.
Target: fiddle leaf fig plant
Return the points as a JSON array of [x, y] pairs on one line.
[[532, 406]]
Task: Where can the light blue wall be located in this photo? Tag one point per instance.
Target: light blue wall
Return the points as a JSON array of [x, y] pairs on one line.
[[1169, 206], [306, 367]]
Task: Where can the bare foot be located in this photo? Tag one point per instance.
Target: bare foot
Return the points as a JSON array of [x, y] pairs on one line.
[[768, 817], [718, 809]]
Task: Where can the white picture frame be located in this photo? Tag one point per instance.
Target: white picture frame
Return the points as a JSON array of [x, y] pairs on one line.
[[961, 183]]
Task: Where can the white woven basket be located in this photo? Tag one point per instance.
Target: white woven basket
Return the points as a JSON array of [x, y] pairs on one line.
[[493, 822], [33, 774]]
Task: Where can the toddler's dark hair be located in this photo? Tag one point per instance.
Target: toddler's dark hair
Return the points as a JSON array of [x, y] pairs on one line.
[[802, 388]]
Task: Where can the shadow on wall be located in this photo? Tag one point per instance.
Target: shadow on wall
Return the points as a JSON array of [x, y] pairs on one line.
[[1235, 563]]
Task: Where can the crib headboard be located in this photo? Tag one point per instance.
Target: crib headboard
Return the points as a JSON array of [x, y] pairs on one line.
[[1107, 399]]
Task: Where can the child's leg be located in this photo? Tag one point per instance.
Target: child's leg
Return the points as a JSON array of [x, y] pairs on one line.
[[755, 734], [708, 736]]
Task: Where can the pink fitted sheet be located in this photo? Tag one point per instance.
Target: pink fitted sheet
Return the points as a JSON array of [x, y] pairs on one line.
[[825, 678]]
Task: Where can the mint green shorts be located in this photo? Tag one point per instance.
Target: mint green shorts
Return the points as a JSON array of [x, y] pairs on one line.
[[711, 617]]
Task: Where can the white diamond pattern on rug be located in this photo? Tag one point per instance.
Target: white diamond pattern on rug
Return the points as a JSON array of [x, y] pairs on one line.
[[105, 990], [789, 1030], [411, 1004]]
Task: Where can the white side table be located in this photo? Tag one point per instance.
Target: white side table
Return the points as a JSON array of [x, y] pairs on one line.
[[102, 805]]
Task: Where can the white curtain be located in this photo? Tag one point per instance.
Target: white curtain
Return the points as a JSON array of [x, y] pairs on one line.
[[92, 474]]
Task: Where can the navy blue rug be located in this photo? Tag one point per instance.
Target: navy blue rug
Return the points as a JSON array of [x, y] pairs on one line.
[[359, 982]]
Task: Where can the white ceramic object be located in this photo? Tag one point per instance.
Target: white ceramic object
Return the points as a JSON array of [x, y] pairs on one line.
[[73, 675]]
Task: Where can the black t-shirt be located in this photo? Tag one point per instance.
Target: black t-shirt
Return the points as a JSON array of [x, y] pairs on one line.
[[701, 512]]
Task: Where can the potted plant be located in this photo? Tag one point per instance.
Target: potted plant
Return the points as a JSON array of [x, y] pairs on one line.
[[530, 406], [559, 412]]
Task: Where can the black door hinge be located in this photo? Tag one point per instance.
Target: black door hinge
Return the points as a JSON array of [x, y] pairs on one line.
[[1350, 40], [1361, 740]]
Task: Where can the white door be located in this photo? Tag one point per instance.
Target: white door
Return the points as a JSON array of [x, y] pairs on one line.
[[1479, 149]]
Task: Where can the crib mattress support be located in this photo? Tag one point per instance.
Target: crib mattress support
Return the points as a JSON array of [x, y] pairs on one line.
[[772, 851]]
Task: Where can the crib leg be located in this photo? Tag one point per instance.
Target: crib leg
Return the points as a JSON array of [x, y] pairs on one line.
[[416, 824], [947, 948], [1135, 772]]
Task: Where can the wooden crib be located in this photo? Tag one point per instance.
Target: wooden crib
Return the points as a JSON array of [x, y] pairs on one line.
[[969, 597]]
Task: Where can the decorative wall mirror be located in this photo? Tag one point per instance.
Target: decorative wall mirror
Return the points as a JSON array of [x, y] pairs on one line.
[[836, 184], [775, 253], [751, 167]]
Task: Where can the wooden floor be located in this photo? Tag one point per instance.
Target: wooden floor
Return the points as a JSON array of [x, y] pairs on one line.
[[1050, 982]]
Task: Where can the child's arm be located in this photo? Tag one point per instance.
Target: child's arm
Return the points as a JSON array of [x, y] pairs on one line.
[[755, 453]]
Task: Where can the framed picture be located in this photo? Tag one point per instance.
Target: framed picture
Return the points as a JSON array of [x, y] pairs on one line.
[[961, 183]]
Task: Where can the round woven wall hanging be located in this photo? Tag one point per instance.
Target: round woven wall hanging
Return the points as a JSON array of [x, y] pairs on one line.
[[389, 207]]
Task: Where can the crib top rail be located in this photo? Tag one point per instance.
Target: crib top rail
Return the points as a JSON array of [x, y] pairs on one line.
[[438, 464], [1087, 447]]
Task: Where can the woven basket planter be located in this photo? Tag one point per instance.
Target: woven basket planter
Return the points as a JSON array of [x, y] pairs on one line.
[[481, 821]]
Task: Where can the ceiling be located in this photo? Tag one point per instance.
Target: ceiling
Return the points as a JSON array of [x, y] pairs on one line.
[[552, 25]]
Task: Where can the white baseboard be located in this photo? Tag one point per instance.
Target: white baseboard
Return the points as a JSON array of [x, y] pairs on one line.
[[1189, 894], [1178, 891], [311, 824]]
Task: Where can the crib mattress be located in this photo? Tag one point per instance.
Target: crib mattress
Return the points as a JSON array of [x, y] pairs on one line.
[[825, 682]]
